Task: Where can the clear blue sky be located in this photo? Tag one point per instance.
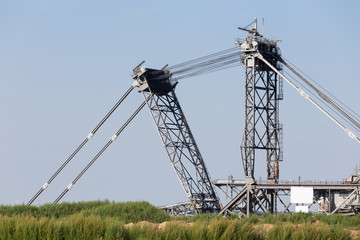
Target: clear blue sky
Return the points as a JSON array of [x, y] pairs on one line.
[[63, 64]]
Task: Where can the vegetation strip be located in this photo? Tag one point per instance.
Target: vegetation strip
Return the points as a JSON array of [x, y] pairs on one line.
[[140, 220]]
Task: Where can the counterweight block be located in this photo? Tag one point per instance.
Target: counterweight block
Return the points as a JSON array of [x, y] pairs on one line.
[[157, 80]]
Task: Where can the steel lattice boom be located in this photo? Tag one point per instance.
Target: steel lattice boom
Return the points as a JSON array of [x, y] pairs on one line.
[[175, 134]]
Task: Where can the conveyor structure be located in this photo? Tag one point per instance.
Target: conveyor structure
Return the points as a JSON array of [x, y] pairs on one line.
[[264, 73]]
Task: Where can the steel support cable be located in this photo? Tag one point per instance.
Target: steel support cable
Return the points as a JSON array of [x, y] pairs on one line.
[[113, 138], [317, 95], [233, 63], [340, 102], [307, 97], [322, 95], [91, 134], [206, 72], [210, 64], [342, 106], [206, 63], [321, 100], [204, 68], [201, 59], [220, 63], [230, 64]]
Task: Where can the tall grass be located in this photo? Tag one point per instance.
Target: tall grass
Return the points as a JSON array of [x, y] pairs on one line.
[[94, 227], [51, 210], [107, 220], [289, 231], [338, 219], [126, 212], [295, 218], [130, 212]]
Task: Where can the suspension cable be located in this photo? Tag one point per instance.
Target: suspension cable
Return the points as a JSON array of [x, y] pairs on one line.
[[213, 68], [322, 95], [202, 59], [350, 111], [307, 97], [113, 138], [90, 135], [319, 99], [209, 63], [340, 111]]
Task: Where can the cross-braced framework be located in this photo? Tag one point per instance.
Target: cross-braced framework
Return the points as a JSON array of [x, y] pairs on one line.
[[263, 90], [179, 209], [329, 197], [262, 131], [262, 128], [178, 140]]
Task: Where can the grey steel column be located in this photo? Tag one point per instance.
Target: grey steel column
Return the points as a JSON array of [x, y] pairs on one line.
[[262, 129]]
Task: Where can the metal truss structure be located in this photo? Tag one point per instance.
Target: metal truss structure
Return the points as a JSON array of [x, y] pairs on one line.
[[179, 209], [263, 69], [263, 63], [329, 197], [158, 91], [262, 128]]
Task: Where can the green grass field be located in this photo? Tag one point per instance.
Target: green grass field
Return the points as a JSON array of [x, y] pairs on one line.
[[140, 220]]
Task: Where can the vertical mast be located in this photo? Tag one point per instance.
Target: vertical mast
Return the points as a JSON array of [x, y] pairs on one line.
[[262, 128]]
